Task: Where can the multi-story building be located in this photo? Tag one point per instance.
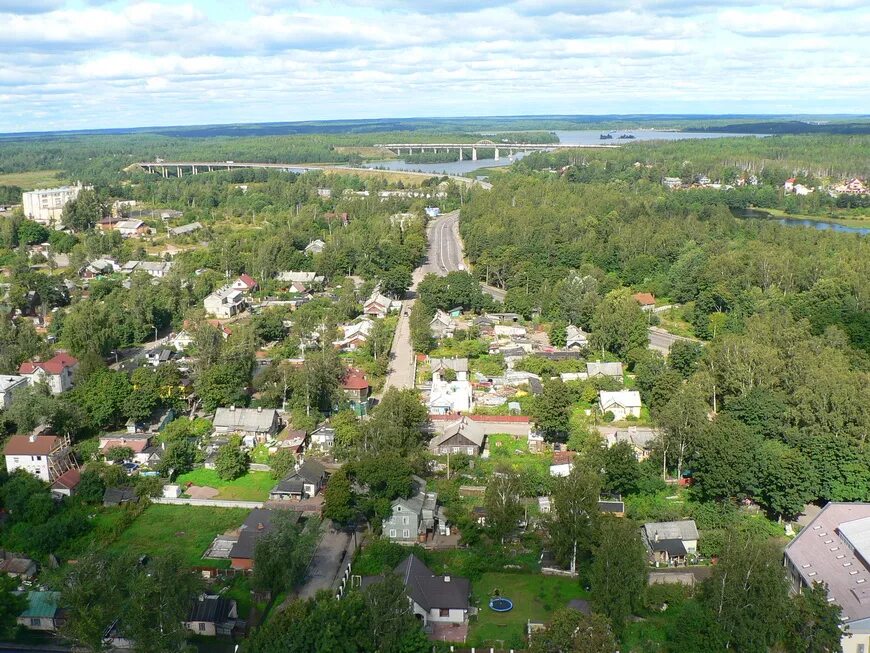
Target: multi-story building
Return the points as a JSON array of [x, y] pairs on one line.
[[45, 205], [225, 302], [57, 371], [44, 456], [9, 385]]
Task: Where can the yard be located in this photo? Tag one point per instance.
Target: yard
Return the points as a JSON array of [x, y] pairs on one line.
[[253, 486], [183, 530], [535, 597]]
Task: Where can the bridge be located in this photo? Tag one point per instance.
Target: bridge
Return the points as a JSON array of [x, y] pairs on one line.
[[409, 148], [196, 167]]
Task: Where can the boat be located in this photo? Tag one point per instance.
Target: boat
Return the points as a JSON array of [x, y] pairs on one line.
[[605, 137], [626, 136]]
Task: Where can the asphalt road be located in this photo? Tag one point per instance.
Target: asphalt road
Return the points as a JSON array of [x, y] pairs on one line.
[[661, 340]]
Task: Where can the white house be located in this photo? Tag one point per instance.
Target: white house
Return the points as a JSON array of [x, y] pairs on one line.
[[576, 338], [45, 205], [156, 269], [44, 456], [128, 228], [442, 325], [379, 305], [9, 385], [354, 335], [323, 438], [225, 302], [621, 404], [315, 247], [245, 283], [57, 372], [453, 396], [182, 340]]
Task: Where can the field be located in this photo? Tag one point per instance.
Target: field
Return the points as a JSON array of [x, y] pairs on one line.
[[535, 597], [253, 486], [183, 530], [32, 179]]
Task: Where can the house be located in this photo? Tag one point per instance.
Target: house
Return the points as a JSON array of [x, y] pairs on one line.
[[641, 438], [257, 523], [156, 269], [323, 438], [303, 483], [621, 404], [98, 268], [225, 302], [356, 390], [119, 496], [671, 541], [17, 566], [212, 615], [255, 425], [576, 338], [65, 485], [58, 371], [158, 356], [449, 397], [608, 370], [509, 330], [9, 385], [137, 443], [315, 247], [672, 182], [292, 439], [444, 367], [354, 335], [434, 599], [646, 300], [185, 229], [412, 519], [245, 283], [182, 340], [379, 305], [154, 423], [834, 549], [42, 612], [562, 463], [462, 437], [442, 325], [44, 456], [305, 278], [130, 228]]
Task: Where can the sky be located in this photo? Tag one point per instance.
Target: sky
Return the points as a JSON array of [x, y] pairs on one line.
[[89, 64]]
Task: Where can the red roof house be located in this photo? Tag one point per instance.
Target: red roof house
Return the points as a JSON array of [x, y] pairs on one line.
[[66, 483], [644, 299], [245, 283], [56, 371]]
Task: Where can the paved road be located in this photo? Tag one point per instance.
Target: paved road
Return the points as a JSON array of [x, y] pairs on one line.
[[326, 563], [661, 340]]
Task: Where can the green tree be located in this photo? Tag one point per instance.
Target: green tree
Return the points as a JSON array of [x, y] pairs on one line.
[[815, 623], [11, 605], [83, 212], [231, 461], [619, 568], [91, 487], [282, 463], [552, 410], [281, 555], [621, 469], [119, 454], [726, 462], [178, 458], [571, 631], [502, 502], [396, 281], [93, 593], [338, 498], [619, 325], [573, 511], [684, 357], [682, 418], [31, 233], [395, 424], [787, 481]]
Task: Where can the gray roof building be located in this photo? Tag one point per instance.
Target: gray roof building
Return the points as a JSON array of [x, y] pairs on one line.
[[426, 589]]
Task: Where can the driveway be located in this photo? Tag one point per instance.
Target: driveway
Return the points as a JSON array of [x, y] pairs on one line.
[[326, 563]]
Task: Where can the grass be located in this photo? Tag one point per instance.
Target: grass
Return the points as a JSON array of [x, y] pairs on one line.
[[32, 179], [846, 219], [184, 530], [535, 597], [253, 486]]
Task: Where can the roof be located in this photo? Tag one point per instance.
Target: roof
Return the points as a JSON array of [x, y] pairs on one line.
[[117, 495], [137, 445], [463, 428], [248, 280], [257, 523], [644, 298], [354, 380], [625, 398], [674, 548], [8, 381], [68, 480], [832, 549], [24, 445], [309, 472], [185, 228], [430, 591], [605, 505], [603, 369], [563, 457], [54, 365], [671, 530], [41, 605], [128, 224], [245, 419], [455, 364], [211, 609]]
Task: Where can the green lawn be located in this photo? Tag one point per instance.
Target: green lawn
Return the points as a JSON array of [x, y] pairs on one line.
[[253, 486], [535, 598], [32, 179], [184, 530]]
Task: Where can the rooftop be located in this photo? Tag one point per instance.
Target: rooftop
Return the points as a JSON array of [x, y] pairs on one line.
[[54, 365], [26, 445]]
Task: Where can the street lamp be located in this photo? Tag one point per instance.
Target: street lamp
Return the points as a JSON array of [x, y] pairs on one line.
[[151, 326]]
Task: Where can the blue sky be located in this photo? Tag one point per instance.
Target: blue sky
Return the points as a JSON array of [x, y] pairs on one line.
[[90, 64]]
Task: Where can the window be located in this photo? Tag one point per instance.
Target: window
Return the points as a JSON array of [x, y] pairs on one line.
[[39, 457], [35, 621], [860, 649], [405, 521], [201, 626], [406, 533], [444, 612], [392, 532]]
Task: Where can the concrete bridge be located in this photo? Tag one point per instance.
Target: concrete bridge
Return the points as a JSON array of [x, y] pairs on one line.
[[196, 167], [499, 148]]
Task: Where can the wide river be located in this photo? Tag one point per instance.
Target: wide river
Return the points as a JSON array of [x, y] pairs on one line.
[[566, 137]]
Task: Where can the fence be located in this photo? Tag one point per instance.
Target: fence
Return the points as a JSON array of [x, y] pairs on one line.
[[212, 503]]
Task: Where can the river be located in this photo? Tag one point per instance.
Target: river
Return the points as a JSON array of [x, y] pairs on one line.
[[566, 137], [820, 225]]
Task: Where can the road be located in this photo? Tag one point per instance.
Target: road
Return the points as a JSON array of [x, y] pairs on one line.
[[661, 340]]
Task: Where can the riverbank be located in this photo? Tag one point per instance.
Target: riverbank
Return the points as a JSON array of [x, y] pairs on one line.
[[846, 221]]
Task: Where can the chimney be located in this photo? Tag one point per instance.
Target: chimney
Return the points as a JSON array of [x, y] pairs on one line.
[[232, 409], [259, 409], [31, 437], [447, 579]]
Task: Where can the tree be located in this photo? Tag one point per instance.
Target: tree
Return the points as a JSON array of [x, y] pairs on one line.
[[787, 481], [231, 461], [11, 605], [573, 510], [571, 631], [102, 396], [391, 618], [814, 623], [747, 593], [726, 462], [552, 410], [178, 458], [619, 324], [92, 594], [338, 498], [396, 281], [282, 554], [91, 487], [621, 469], [119, 454], [619, 568], [684, 356], [395, 424], [502, 502], [31, 233], [282, 463], [158, 604], [83, 212], [682, 418]]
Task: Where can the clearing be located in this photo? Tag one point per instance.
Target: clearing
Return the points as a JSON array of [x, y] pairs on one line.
[[253, 486], [184, 530], [535, 597], [32, 179]]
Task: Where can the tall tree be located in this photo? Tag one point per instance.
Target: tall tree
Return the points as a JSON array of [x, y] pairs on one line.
[[281, 556], [573, 510], [619, 325], [502, 502], [619, 568], [682, 419], [93, 593], [815, 622], [552, 410], [571, 631]]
